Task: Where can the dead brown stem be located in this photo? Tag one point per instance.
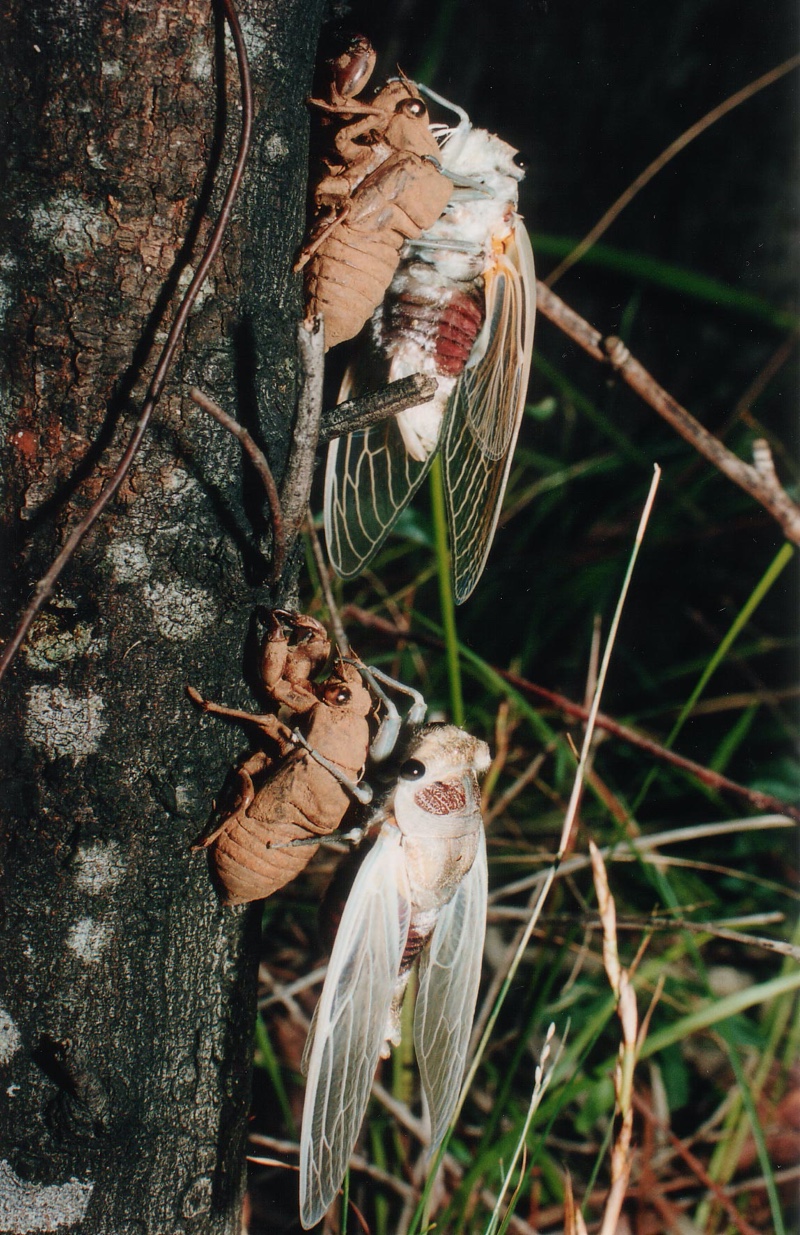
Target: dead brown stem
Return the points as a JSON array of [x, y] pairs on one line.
[[697, 1168], [759, 480]]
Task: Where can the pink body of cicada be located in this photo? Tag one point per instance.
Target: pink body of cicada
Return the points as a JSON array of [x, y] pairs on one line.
[[461, 308]]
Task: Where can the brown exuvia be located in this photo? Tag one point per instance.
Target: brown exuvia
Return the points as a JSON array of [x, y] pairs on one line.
[[382, 185], [287, 795]]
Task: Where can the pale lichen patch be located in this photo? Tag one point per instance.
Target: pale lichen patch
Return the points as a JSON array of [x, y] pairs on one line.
[[180, 611], [63, 723], [88, 939], [10, 1040], [70, 225], [129, 561], [99, 867], [27, 1207], [276, 148], [207, 291]]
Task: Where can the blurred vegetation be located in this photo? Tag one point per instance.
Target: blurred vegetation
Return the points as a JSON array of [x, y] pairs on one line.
[[699, 276]]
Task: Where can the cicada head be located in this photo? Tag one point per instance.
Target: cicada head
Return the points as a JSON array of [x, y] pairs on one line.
[[437, 781], [484, 158], [406, 119], [352, 68], [437, 807]]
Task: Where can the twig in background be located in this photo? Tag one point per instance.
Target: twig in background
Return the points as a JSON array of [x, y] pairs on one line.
[[259, 462], [695, 1165], [44, 587], [334, 614], [759, 481], [674, 148]]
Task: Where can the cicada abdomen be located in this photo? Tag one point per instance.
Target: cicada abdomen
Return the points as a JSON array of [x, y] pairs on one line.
[[382, 185], [460, 307]]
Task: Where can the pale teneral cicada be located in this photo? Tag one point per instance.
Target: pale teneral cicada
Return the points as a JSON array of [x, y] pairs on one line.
[[461, 307], [420, 891]]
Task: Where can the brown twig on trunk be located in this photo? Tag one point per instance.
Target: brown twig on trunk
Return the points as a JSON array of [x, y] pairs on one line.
[[759, 480], [377, 406], [259, 462], [44, 587]]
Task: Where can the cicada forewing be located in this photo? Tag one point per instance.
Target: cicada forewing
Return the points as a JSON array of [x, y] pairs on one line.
[[450, 972], [485, 412], [351, 1021], [369, 480]]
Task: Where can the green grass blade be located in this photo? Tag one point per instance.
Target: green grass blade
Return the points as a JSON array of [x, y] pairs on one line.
[[446, 592], [671, 278]]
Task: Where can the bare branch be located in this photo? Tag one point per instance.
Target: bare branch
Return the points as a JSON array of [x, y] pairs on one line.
[[259, 461], [377, 406], [759, 481]]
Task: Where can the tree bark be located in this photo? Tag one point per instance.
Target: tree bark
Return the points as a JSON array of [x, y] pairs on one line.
[[128, 993]]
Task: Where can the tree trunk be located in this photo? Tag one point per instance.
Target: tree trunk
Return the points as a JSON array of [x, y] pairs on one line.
[[128, 992]]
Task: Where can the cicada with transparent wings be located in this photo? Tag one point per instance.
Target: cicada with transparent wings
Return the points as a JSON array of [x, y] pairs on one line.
[[420, 891], [461, 307]]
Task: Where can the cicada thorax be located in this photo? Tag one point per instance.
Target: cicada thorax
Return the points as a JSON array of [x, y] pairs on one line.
[[381, 186]]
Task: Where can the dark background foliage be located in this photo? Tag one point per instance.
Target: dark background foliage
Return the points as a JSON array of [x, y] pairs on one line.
[[591, 94]]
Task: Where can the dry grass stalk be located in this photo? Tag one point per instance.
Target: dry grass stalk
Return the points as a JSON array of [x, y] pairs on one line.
[[622, 986]]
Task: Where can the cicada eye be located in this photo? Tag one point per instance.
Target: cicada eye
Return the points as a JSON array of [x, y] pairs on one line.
[[412, 107], [412, 769], [338, 695]]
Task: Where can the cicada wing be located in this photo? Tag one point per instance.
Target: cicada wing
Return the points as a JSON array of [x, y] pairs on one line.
[[351, 1022], [369, 480], [450, 971], [485, 413]]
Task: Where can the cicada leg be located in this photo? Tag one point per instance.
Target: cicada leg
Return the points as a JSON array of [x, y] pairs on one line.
[[361, 793], [268, 724], [385, 739]]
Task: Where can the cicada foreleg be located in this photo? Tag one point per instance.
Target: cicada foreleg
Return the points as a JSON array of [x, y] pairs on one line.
[[266, 722]]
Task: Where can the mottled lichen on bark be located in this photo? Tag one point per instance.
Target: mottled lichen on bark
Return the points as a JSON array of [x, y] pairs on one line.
[[114, 940]]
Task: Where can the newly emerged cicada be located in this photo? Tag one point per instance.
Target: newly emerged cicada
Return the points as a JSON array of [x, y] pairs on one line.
[[461, 307], [382, 185], [421, 891]]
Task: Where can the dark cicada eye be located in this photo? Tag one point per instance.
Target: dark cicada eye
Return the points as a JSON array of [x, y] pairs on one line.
[[412, 107], [338, 695], [412, 769]]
